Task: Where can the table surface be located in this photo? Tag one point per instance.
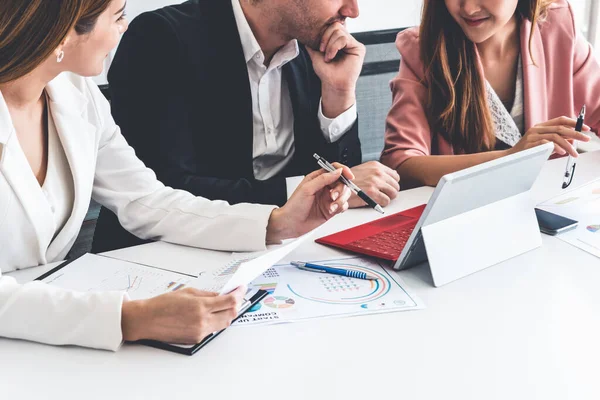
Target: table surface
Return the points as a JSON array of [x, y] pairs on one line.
[[528, 328]]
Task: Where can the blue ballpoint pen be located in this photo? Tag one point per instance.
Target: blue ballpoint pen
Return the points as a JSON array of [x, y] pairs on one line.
[[336, 271]]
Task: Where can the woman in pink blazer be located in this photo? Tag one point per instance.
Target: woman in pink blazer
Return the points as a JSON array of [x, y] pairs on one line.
[[484, 79]]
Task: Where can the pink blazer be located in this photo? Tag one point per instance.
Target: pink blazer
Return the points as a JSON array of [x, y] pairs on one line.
[[566, 76]]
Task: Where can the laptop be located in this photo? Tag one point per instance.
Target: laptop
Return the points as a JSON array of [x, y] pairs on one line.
[[398, 237]]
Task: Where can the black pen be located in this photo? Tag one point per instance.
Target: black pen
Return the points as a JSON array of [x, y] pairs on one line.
[[570, 169], [359, 192]]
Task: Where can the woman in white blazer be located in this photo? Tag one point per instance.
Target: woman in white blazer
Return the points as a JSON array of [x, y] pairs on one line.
[[59, 146]]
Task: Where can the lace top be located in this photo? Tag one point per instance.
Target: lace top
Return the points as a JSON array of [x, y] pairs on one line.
[[508, 126]]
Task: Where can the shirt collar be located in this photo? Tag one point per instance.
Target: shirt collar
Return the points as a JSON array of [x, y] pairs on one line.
[[250, 45]]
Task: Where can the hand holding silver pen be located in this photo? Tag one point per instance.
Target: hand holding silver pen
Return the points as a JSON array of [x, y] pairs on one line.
[[358, 191], [561, 131], [571, 163]]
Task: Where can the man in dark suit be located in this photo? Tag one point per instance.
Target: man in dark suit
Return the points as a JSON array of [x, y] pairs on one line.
[[229, 99]]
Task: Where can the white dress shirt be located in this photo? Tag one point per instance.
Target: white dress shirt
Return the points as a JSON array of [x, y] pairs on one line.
[[273, 116]]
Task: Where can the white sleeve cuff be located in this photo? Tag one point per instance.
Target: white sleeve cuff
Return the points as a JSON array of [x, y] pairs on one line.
[[334, 129], [292, 183], [48, 314]]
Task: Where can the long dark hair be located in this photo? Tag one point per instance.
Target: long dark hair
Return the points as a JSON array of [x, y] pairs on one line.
[[30, 30], [457, 101]]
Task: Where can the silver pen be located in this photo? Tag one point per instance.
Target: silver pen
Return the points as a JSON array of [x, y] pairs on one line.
[[571, 163], [323, 163]]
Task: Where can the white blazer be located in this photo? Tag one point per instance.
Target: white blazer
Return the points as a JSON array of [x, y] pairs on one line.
[[103, 167]]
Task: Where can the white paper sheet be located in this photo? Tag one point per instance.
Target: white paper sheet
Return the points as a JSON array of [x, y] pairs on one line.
[[296, 295], [93, 273], [251, 269], [172, 257], [102, 273], [583, 205]]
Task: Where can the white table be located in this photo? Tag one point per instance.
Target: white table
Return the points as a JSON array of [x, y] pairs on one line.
[[528, 328]]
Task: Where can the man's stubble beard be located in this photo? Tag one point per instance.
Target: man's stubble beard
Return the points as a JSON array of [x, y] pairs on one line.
[[301, 25]]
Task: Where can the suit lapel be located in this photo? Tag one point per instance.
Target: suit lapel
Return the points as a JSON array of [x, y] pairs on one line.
[[296, 75], [17, 171], [231, 93], [534, 76], [77, 135]]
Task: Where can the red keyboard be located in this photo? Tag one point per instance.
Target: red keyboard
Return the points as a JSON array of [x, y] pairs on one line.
[[383, 238], [385, 244]]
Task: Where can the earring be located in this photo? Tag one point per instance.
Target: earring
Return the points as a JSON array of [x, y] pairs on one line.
[[60, 56]]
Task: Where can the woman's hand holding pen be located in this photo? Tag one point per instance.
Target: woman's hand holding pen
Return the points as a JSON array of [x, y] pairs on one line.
[[319, 197], [561, 131], [184, 316]]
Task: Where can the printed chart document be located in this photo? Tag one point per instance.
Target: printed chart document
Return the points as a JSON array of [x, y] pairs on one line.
[[93, 273], [99, 273], [583, 205], [190, 260], [296, 295]]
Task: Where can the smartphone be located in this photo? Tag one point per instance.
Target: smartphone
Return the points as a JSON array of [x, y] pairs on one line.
[[552, 224]]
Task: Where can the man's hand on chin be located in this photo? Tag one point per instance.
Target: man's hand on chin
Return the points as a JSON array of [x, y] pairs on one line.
[[338, 63]]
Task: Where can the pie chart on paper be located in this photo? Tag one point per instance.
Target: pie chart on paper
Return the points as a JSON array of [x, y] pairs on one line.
[[593, 228]]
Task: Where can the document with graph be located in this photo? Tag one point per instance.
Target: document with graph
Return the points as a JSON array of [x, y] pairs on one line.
[[93, 273], [583, 205], [296, 295]]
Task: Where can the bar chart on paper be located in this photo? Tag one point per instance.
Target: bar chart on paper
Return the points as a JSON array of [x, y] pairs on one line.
[[296, 295], [583, 205]]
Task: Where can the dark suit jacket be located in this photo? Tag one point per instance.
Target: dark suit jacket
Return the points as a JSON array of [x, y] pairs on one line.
[[181, 94]]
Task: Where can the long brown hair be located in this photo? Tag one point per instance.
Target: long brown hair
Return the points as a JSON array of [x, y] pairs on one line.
[[30, 30], [457, 102]]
